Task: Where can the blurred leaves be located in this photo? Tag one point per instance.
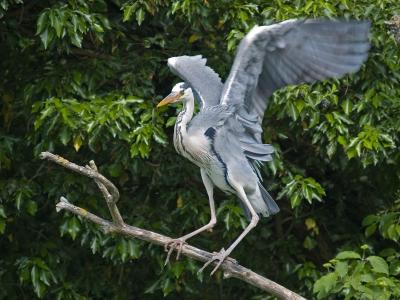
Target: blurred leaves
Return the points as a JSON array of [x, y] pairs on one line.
[[302, 188], [355, 277], [70, 21], [111, 117]]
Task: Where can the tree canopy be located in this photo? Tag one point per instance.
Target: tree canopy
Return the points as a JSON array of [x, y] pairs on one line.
[[81, 79]]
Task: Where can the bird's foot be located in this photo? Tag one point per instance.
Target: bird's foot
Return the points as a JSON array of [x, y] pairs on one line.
[[171, 246], [220, 256]]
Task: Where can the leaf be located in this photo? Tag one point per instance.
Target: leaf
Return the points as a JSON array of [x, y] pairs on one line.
[[31, 207], [2, 226], [98, 28], [2, 212], [292, 111], [227, 220], [153, 287], [342, 140], [347, 106], [368, 220], [379, 265], [324, 285], [395, 268], [170, 122], [179, 202], [115, 170], [370, 230], [161, 139], [134, 249], [35, 275], [76, 39], [73, 227], [77, 143], [128, 11], [341, 268], [295, 200], [41, 22], [310, 223], [18, 200], [44, 277], [46, 37], [367, 277], [65, 135], [177, 268], [95, 245], [309, 243], [193, 38], [167, 286], [140, 15], [348, 255], [58, 26]]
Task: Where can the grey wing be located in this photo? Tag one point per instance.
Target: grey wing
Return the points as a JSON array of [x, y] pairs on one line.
[[204, 81], [233, 134], [291, 52]]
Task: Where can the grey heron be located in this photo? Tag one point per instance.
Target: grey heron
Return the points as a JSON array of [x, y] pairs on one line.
[[224, 138]]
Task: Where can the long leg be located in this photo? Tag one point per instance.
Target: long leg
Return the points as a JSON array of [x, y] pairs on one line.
[[178, 243], [223, 254]]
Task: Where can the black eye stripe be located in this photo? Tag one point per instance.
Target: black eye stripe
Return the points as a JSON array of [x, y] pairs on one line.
[[185, 86]]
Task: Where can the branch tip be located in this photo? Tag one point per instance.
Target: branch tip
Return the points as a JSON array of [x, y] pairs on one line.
[[58, 207], [62, 204], [44, 155], [63, 199], [93, 165]]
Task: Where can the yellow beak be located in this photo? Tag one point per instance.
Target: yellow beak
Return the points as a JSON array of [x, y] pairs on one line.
[[171, 98]]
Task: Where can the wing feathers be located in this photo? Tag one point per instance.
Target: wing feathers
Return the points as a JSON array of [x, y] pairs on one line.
[[293, 52], [205, 82]]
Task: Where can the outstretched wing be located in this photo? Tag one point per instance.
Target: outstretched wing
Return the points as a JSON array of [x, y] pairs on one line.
[[291, 52], [204, 81]]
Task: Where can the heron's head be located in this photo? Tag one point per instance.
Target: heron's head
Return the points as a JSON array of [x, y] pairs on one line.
[[180, 92]]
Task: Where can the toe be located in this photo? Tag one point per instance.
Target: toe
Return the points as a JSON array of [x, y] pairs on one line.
[[206, 265], [216, 267]]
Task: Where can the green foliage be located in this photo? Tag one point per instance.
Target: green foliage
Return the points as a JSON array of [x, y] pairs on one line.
[[81, 78], [35, 271], [387, 222], [71, 21], [356, 276], [302, 188], [109, 118]]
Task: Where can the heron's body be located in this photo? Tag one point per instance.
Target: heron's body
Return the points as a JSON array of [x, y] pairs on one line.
[[196, 141], [201, 138], [224, 138]]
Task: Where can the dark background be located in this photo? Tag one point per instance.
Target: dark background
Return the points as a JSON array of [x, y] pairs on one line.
[[81, 79]]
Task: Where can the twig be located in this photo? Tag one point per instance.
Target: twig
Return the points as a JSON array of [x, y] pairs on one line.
[[111, 194]]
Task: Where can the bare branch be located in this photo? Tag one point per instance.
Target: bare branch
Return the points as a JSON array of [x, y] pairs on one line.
[[230, 267], [110, 192]]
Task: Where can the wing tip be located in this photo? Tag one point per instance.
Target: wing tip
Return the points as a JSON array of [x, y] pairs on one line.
[[174, 61]]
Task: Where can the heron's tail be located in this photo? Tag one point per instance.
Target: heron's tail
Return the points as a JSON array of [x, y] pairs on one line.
[[271, 207], [262, 203]]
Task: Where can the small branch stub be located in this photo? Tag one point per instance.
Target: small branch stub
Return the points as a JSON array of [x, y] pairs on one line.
[[111, 194]]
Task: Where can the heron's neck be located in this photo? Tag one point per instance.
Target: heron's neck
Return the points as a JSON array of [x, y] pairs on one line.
[[187, 112], [182, 121]]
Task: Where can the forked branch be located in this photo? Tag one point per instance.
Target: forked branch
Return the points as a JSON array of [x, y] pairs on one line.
[[117, 225]]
